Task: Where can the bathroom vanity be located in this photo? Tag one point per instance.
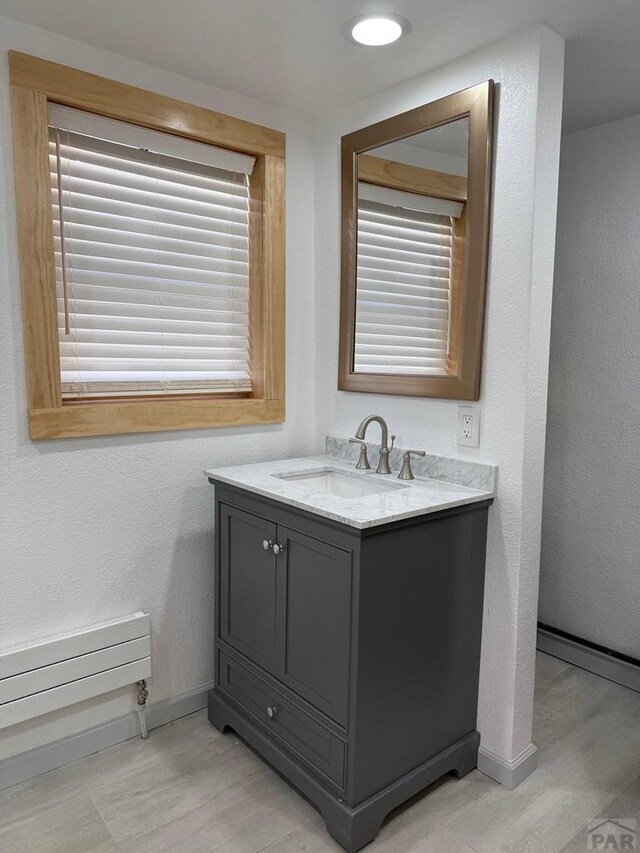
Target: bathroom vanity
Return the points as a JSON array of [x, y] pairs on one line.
[[349, 611]]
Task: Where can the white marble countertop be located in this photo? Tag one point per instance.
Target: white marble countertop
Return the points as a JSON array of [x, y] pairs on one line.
[[409, 498]]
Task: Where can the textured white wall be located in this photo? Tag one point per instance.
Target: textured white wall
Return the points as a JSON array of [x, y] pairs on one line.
[[529, 70], [94, 528], [97, 527], [590, 578]]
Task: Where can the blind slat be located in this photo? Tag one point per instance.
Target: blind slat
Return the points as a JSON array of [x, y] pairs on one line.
[[137, 302], [155, 279], [145, 260], [137, 218], [144, 238], [231, 206], [403, 290]]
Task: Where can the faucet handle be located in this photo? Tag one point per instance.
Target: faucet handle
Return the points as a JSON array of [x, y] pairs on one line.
[[363, 461], [405, 472]]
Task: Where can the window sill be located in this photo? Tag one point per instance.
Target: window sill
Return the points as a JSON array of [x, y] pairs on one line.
[[130, 416]]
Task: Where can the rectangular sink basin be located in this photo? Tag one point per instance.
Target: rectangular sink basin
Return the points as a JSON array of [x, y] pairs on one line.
[[342, 485]]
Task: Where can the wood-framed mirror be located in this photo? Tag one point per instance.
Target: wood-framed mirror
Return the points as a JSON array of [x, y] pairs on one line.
[[415, 229]]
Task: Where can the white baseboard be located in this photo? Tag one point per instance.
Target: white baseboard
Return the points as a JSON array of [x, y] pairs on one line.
[[621, 671], [508, 773], [26, 765]]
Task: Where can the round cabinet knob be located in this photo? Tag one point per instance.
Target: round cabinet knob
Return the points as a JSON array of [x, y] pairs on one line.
[[266, 544], [272, 711], [278, 549]]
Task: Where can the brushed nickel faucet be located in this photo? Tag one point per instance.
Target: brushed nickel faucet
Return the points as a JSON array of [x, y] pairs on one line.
[[405, 472], [383, 464]]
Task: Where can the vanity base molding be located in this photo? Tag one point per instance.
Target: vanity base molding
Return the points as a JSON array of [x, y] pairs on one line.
[[352, 827]]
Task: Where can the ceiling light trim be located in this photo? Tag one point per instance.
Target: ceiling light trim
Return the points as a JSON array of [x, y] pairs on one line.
[[402, 22]]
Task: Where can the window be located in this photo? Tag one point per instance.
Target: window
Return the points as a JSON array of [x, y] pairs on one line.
[[149, 300], [404, 276], [152, 261]]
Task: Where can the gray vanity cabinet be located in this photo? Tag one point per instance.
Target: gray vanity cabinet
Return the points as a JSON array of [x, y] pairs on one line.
[[349, 658]]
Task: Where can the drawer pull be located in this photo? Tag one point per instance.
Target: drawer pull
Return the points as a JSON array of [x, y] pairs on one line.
[[272, 710], [266, 544], [278, 549]]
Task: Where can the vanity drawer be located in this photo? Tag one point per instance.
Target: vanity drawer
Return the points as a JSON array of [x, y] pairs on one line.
[[321, 749]]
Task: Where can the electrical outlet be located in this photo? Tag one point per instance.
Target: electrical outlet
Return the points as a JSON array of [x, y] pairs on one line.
[[469, 426]]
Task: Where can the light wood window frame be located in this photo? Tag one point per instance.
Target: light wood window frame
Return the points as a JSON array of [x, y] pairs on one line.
[[464, 362], [36, 82]]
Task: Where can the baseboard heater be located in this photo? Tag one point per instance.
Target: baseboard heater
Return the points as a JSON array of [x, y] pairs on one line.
[[615, 666], [50, 674]]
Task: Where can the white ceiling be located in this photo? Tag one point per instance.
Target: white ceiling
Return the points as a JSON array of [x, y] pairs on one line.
[[291, 51]]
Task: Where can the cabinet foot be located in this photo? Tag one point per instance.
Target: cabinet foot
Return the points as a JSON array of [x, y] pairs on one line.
[[354, 831], [467, 756], [218, 719], [354, 828]]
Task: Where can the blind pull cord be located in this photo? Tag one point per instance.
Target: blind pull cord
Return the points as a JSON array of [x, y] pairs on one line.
[[65, 296]]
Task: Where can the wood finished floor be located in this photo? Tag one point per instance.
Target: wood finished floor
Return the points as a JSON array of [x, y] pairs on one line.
[[190, 789]]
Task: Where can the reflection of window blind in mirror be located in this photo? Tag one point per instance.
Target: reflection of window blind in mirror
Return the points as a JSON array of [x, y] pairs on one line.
[[152, 253], [403, 290], [410, 201]]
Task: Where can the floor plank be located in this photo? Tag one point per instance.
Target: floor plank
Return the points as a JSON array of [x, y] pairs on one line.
[[191, 789], [584, 769], [111, 764], [625, 807], [241, 819], [141, 801], [73, 826], [548, 667]]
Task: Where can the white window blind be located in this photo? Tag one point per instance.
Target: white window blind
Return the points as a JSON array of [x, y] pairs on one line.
[[403, 289], [152, 262]]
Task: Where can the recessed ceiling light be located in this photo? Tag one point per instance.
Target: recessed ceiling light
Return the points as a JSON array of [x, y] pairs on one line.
[[376, 29]]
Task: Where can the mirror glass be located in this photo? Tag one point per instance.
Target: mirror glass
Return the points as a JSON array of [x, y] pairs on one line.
[[416, 190], [411, 237]]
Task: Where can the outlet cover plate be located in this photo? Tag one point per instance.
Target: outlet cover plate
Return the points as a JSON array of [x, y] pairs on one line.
[[468, 426]]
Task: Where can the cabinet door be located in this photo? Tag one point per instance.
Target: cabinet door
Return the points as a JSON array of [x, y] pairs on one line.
[[247, 585], [314, 600]]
